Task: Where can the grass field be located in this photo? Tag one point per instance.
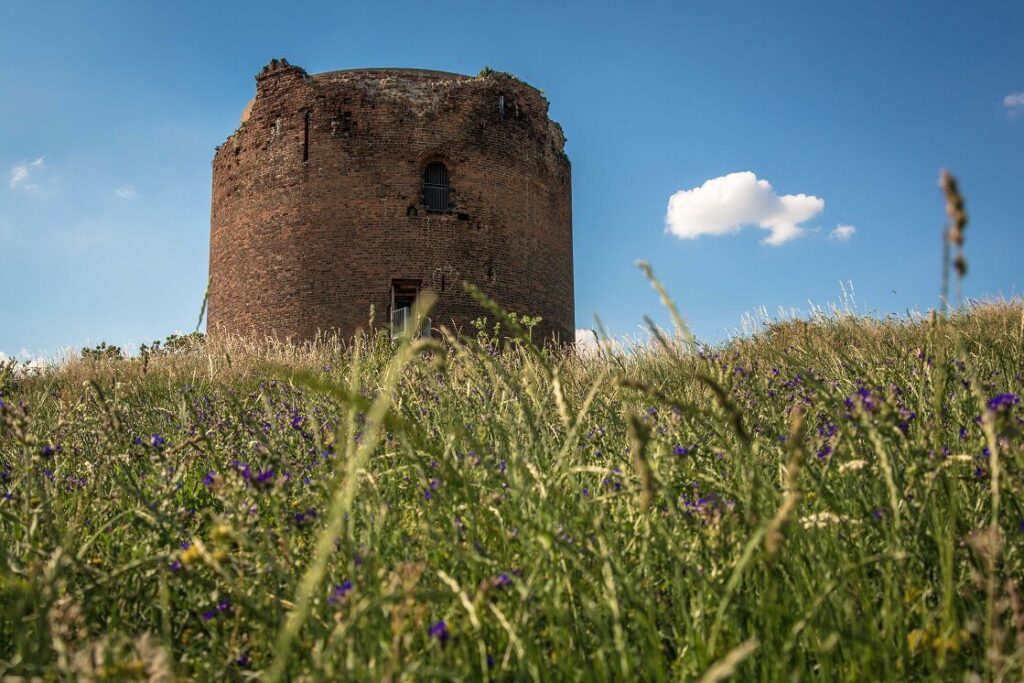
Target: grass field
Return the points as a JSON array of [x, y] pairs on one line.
[[836, 500]]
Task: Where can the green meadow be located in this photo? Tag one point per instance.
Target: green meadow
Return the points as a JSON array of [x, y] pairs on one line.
[[833, 499]]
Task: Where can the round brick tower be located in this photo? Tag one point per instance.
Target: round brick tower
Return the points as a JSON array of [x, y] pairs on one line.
[[351, 189]]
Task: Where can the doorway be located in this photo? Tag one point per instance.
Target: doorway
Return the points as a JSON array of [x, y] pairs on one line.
[[403, 296]]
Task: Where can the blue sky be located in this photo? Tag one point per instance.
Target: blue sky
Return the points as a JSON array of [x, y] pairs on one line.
[[110, 112]]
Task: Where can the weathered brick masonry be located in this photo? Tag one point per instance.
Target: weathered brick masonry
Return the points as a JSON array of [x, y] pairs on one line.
[[319, 202]]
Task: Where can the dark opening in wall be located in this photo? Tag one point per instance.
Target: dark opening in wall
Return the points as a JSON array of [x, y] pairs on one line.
[[507, 106], [305, 137], [403, 297], [403, 292], [435, 187], [489, 271]]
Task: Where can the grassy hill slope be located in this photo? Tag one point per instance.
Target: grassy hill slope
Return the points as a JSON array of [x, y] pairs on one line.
[[838, 500]]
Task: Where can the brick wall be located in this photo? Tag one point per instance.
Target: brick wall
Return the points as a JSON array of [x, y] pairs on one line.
[[318, 202]]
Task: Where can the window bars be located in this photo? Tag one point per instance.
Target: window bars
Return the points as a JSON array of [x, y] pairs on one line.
[[401, 321], [435, 187]]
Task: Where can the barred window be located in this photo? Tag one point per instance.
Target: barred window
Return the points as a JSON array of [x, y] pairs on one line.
[[435, 187]]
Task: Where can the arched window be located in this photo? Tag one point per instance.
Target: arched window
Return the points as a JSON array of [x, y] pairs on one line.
[[435, 187]]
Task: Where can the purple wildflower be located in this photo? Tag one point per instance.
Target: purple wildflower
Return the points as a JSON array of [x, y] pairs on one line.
[[339, 592], [439, 631], [1003, 401], [303, 518]]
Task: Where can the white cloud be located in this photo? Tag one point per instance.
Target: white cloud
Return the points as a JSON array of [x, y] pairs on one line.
[[726, 204], [1014, 103], [842, 232], [18, 175], [586, 341], [21, 174], [32, 361], [125, 192], [35, 363], [25, 361]]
